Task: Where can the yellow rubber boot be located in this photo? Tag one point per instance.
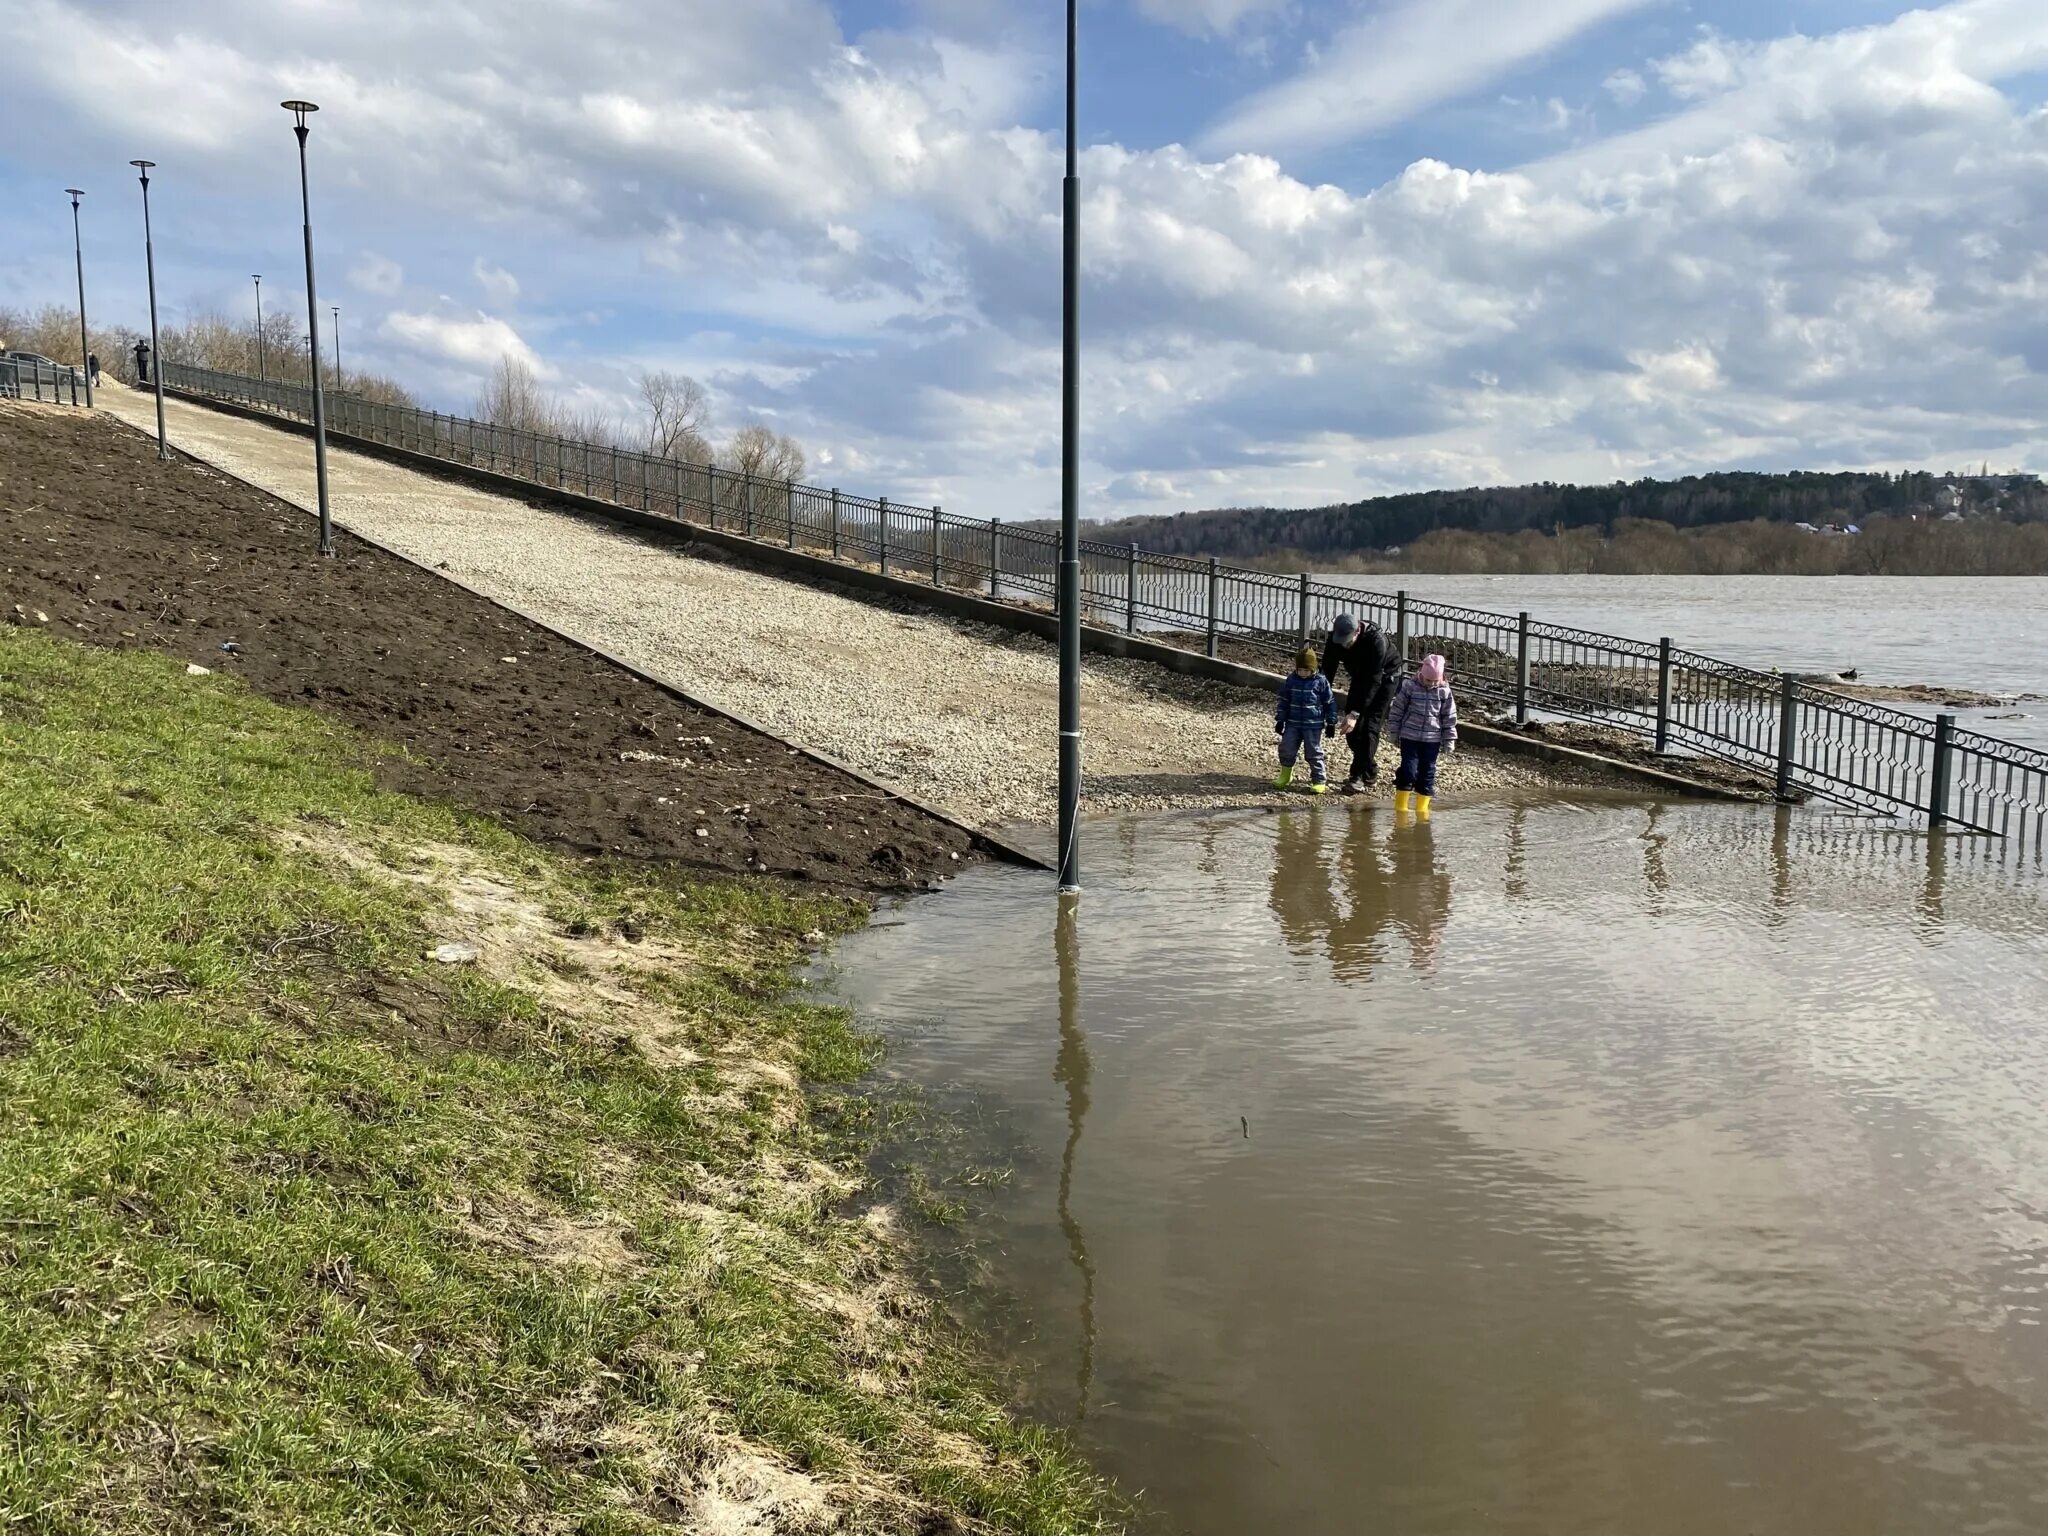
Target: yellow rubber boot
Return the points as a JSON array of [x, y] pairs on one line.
[[1422, 806], [1403, 799], [1284, 778]]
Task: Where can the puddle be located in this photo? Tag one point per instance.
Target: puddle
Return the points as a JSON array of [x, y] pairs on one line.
[[1548, 1169]]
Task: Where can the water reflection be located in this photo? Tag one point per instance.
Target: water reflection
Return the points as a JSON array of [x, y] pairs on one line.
[[1614, 1169], [1342, 885], [1071, 1073]]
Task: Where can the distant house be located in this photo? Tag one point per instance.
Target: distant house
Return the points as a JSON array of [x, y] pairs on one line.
[[1807, 527], [1948, 499]]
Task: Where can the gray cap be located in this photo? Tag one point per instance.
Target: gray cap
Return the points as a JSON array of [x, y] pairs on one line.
[[1345, 627]]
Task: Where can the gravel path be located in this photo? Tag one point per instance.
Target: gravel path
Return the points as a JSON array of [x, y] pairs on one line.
[[959, 714]]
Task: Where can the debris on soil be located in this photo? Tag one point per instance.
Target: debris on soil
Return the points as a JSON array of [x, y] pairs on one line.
[[130, 552]]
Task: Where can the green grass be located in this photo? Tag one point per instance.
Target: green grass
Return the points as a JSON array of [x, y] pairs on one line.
[[257, 1159]]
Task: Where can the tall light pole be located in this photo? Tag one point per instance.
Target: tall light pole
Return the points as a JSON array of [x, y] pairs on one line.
[[1070, 490], [260, 373], [337, 348], [156, 354], [298, 110], [78, 250]]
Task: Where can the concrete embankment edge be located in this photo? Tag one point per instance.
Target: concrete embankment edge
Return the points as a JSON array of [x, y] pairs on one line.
[[822, 570], [990, 842]]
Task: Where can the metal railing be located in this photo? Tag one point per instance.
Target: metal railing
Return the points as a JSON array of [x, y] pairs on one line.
[[21, 379], [1797, 737]]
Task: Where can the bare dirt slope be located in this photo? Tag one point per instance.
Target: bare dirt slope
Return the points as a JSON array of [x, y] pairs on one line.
[[101, 542]]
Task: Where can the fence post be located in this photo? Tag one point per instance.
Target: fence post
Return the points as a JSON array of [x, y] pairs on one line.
[[1664, 694], [1401, 623], [1212, 608], [882, 532], [1301, 624], [747, 506], [937, 576], [1131, 590], [835, 522], [1944, 771], [1788, 733], [646, 504], [995, 557], [789, 509], [1522, 670]]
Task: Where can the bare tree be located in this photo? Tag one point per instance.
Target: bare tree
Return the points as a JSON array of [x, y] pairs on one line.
[[763, 453], [678, 417], [513, 398]]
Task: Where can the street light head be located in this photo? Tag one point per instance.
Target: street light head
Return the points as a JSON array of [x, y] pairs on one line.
[[76, 191], [298, 110], [143, 165]]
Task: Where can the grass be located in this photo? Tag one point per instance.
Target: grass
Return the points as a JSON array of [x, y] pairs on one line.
[[300, 1231]]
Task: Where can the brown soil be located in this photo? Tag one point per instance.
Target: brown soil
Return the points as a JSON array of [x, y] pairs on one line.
[[104, 544]]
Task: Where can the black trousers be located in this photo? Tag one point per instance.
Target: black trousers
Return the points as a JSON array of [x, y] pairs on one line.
[[1365, 736]]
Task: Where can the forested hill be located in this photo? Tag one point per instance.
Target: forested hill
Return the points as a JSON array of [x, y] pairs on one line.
[[1698, 501]]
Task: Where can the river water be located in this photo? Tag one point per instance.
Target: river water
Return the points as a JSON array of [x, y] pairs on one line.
[[1988, 634], [1611, 1167]]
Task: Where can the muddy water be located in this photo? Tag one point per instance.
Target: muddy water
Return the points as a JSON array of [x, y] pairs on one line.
[[1549, 1169]]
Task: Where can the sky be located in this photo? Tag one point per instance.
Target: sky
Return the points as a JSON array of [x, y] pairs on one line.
[[1331, 248]]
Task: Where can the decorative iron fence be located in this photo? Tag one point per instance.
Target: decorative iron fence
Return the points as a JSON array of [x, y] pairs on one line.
[[1800, 737]]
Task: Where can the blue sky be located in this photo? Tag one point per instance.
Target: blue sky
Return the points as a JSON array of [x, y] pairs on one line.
[[1333, 247]]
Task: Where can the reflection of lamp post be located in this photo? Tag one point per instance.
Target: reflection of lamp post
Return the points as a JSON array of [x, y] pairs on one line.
[[337, 348], [156, 354], [78, 250], [298, 110], [260, 373], [1071, 1071], [1070, 495]]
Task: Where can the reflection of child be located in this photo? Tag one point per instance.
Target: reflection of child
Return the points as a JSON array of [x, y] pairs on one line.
[[1423, 719], [1305, 714]]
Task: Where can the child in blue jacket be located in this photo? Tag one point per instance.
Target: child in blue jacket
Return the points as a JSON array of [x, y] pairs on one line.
[[1305, 715]]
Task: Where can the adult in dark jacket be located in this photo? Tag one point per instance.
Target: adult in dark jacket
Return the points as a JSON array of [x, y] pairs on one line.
[[1371, 664]]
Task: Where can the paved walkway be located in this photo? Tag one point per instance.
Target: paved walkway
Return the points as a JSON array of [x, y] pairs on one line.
[[959, 714]]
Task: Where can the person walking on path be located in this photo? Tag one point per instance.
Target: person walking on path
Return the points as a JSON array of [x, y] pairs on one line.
[[1305, 714], [1424, 721], [142, 362], [92, 368], [1370, 664]]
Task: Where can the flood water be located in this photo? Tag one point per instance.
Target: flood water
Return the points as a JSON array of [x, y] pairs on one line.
[[1613, 1168], [1988, 634]]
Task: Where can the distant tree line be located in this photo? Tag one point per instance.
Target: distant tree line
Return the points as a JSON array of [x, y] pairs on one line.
[[1732, 521], [1887, 546], [207, 340]]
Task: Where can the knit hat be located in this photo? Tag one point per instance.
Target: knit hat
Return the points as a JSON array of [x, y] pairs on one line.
[[1344, 628], [1306, 660], [1431, 672]]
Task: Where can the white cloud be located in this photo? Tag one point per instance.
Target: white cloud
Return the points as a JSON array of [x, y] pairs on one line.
[[1399, 60], [1827, 254], [376, 274], [1214, 17], [1625, 86], [500, 286], [478, 341]]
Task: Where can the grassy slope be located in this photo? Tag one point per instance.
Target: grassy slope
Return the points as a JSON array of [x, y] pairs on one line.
[[259, 1156]]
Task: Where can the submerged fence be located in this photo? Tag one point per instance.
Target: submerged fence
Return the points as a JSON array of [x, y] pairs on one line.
[[1803, 738]]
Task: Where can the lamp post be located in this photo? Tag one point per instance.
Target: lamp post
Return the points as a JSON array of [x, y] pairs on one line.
[[337, 348], [1070, 490], [299, 110], [78, 250], [156, 354], [258, 279]]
